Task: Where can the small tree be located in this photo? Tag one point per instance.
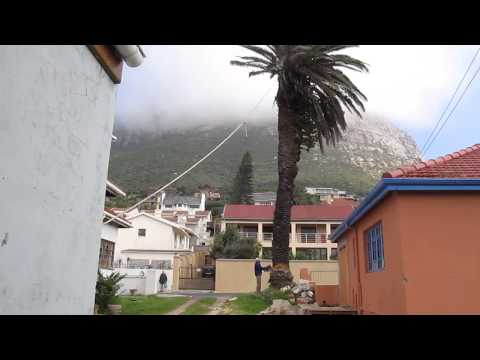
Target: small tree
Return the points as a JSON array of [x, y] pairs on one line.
[[242, 188], [230, 245], [106, 289]]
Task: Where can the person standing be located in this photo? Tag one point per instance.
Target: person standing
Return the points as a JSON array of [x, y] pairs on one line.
[[163, 280], [258, 273]]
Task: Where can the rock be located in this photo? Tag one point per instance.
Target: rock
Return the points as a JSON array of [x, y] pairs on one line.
[[296, 290], [310, 294], [285, 288], [233, 299], [304, 285], [303, 300], [303, 294]]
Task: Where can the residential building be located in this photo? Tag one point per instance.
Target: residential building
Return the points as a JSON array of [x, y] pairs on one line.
[[328, 194], [151, 242], [110, 231], [199, 223], [174, 202], [311, 226], [58, 107], [210, 193], [265, 198], [412, 246]]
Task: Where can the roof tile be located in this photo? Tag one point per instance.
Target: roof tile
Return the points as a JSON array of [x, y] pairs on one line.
[[460, 164]]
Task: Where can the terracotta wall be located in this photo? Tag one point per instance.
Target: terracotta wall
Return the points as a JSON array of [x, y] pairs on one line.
[[441, 242], [367, 292], [237, 276]]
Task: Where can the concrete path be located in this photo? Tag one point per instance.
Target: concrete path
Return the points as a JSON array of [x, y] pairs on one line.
[[218, 307]]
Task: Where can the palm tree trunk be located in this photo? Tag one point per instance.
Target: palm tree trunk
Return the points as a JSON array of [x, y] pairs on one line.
[[288, 156]]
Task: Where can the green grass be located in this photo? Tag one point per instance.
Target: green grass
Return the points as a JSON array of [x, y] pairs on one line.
[[248, 305], [200, 307], [150, 305]]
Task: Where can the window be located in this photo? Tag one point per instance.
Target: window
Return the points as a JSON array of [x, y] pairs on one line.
[[374, 237], [142, 232], [195, 206], [168, 206], [107, 249], [333, 254]]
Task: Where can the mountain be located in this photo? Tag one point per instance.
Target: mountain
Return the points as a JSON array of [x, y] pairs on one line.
[[144, 159]]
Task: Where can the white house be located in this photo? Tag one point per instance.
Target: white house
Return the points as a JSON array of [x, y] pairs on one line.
[[265, 198], [174, 202], [151, 242], [58, 107]]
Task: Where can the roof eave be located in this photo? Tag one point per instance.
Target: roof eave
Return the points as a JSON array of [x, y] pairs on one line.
[[387, 185]]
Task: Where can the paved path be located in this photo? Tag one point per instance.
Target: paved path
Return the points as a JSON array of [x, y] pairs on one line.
[[218, 307]]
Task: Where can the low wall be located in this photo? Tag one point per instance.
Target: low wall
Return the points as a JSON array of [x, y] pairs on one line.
[[145, 281], [327, 294], [237, 276]]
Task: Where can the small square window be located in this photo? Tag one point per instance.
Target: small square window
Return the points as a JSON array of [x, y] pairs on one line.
[[142, 232]]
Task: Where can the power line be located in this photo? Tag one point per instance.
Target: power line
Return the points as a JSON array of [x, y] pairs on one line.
[[451, 112], [191, 167], [449, 103]]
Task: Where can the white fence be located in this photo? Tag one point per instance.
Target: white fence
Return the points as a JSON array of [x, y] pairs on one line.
[[144, 281]]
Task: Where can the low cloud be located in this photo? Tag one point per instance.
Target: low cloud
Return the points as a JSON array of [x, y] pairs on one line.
[[187, 85]]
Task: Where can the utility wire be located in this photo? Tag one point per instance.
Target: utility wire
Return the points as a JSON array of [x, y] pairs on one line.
[[451, 112], [191, 167], [424, 147]]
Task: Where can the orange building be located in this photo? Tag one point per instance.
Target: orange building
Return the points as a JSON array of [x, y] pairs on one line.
[[413, 245]]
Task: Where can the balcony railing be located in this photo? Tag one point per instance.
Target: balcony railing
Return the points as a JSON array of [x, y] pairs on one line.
[[267, 236], [248, 235], [311, 238]]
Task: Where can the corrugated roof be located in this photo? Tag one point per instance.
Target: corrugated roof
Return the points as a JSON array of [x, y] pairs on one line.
[[299, 212], [461, 164]]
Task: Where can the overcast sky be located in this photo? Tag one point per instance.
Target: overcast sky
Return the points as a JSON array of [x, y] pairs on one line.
[[409, 85]]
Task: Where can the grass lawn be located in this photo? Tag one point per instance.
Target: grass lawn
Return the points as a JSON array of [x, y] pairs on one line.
[[200, 307], [248, 305], [150, 305]]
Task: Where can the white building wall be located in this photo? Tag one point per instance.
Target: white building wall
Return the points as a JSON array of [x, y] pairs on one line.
[[57, 110], [110, 232]]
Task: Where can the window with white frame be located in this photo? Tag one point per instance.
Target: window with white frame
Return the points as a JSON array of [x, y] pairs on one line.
[[375, 259]]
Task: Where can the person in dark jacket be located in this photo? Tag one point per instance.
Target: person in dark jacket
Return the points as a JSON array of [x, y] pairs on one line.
[[258, 273], [163, 281]]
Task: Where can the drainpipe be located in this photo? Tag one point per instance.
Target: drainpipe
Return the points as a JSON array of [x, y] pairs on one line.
[[131, 54], [359, 282]]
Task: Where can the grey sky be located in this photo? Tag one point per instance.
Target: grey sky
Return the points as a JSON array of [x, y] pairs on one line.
[[178, 84]]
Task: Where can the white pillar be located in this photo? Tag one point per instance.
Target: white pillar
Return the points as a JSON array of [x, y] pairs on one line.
[[293, 232], [223, 226], [260, 232]]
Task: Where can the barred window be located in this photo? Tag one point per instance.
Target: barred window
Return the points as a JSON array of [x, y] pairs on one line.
[[375, 255]]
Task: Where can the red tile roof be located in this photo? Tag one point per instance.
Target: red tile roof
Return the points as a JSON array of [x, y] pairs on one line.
[[299, 212], [344, 202], [461, 164]]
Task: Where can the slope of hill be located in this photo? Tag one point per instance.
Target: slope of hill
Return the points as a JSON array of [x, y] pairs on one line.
[[143, 160]]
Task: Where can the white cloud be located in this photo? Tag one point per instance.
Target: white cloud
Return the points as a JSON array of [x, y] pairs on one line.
[[409, 85]]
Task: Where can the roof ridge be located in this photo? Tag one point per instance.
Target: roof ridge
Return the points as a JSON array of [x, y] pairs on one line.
[[405, 170]]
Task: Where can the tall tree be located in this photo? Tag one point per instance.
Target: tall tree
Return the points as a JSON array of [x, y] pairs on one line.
[[312, 94], [243, 183]]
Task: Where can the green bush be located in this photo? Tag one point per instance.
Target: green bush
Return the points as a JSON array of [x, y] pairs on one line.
[[229, 245], [106, 290]]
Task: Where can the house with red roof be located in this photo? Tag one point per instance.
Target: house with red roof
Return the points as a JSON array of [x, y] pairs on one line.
[[413, 245], [311, 226]]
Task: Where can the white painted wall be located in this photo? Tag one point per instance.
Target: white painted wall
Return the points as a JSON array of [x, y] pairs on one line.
[[110, 232], [159, 237], [145, 281], [57, 109]]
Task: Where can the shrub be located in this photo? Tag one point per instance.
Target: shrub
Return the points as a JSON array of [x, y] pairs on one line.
[[106, 290], [229, 245], [271, 294]]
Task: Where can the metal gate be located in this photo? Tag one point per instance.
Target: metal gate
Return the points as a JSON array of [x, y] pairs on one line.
[[191, 278]]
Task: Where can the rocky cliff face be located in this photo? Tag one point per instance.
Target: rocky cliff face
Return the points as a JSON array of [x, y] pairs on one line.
[[145, 159]]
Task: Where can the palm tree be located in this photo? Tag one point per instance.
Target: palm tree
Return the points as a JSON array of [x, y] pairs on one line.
[[312, 92]]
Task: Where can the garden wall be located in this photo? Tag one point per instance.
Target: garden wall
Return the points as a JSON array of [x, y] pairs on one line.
[[237, 276]]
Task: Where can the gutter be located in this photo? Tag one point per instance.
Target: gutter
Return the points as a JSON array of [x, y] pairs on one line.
[[133, 55], [387, 185]]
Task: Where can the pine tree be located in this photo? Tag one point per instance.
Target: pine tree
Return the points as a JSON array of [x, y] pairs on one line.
[[243, 183]]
